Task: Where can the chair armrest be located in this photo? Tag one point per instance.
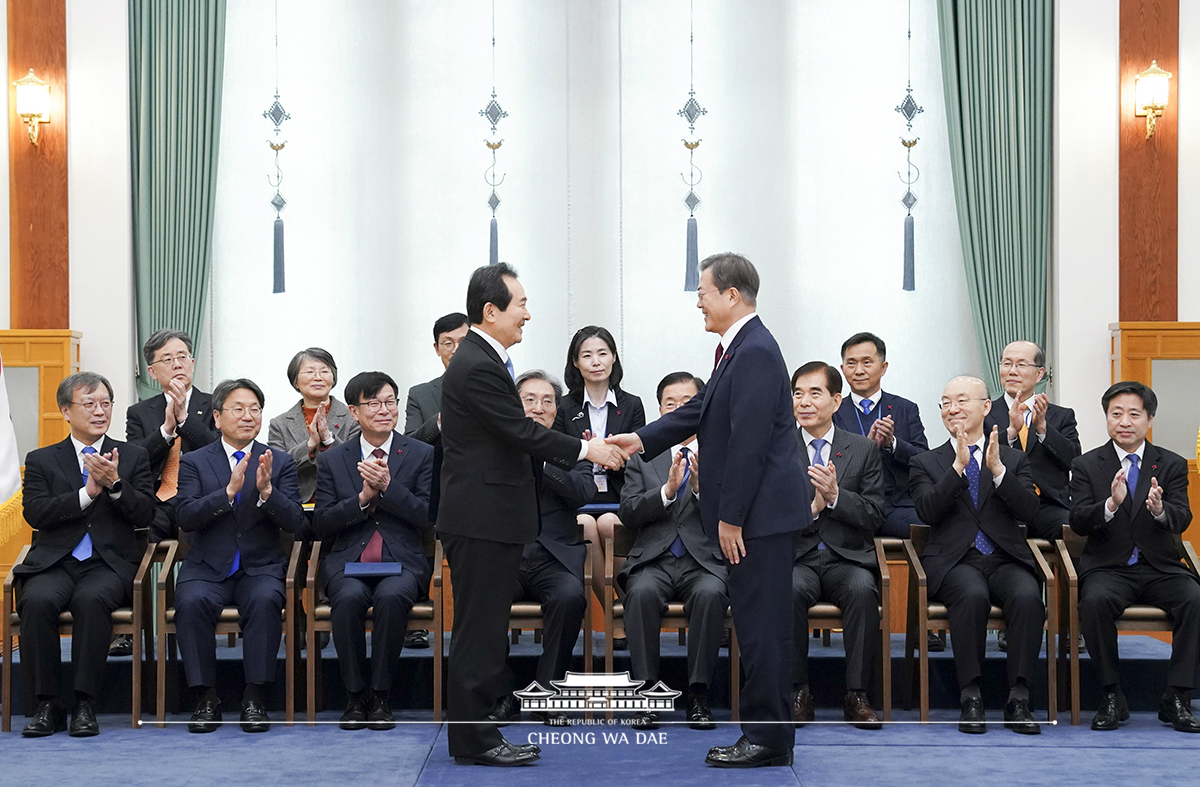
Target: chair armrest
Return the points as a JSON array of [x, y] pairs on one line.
[[1043, 566], [1189, 556], [881, 558], [438, 559], [587, 564], [1065, 563], [916, 570], [164, 573], [314, 563], [143, 571], [293, 570], [11, 577]]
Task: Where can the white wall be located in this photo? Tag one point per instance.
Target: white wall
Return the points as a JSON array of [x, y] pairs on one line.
[[1085, 229], [1188, 114], [101, 243]]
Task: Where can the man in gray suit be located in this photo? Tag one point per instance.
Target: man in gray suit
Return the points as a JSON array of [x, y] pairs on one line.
[[672, 558], [425, 399], [835, 555]]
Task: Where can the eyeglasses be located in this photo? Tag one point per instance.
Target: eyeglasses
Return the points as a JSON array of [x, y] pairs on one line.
[[701, 293], [237, 411], [311, 373], [171, 360], [105, 405], [1020, 366], [544, 401], [374, 405], [960, 402], [449, 344]]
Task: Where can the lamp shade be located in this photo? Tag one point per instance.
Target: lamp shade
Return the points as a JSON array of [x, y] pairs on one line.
[[33, 97], [1150, 89]]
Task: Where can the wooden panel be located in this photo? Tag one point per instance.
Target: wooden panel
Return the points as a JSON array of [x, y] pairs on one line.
[[55, 354], [1149, 177], [37, 39]]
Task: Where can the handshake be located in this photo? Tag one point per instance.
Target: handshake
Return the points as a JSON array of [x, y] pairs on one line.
[[613, 451]]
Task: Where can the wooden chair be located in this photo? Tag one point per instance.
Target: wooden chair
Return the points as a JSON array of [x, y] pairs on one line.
[[227, 621], [426, 615], [133, 620], [616, 550], [1139, 617], [528, 614], [925, 616]]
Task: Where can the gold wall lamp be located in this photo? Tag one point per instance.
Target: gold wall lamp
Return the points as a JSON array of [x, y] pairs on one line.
[[33, 102], [1150, 91]]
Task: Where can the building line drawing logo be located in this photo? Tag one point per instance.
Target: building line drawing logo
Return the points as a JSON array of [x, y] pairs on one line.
[[583, 691]]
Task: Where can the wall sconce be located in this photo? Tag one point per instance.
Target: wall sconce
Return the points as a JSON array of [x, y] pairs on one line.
[[33, 102], [1150, 95]]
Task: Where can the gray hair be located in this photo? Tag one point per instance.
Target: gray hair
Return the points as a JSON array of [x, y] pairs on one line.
[[538, 374]]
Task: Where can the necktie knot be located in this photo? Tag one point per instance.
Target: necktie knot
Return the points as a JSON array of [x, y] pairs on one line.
[[717, 356], [1133, 460], [866, 406], [239, 455], [90, 450], [378, 453]]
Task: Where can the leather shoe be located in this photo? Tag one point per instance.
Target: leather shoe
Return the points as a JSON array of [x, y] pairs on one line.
[[1176, 710], [745, 754], [1018, 718], [1002, 640], [50, 717], [206, 717], [935, 643], [533, 747], [620, 643], [503, 756], [972, 717], [122, 645], [645, 720], [504, 711], [700, 716], [803, 707], [254, 717], [858, 711], [1113, 710], [416, 639], [551, 718], [83, 720], [355, 717], [380, 716]]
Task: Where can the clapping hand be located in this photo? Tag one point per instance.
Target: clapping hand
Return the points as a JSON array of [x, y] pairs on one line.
[[674, 476], [375, 476], [962, 451], [992, 456], [883, 431], [1154, 501], [263, 475], [1118, 491], [694, 478], [824, 481], [102, 471], [237, 478]]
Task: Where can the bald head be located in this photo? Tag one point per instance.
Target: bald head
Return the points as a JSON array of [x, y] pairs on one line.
[[1022, 366], [964, 404]]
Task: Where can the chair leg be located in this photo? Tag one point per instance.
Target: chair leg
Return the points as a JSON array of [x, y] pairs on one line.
[[6, 691], [160, 704], [516, 636], [313, 664], [826, 637], [437, 671], [923, 669], [289, 655], [136, 699], [885, 666], [682, 635]]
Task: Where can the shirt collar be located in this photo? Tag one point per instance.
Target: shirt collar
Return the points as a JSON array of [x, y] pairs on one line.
[[732, 332], [858, 400], [808, 438], [230, 449], [1122, 453], [80, 446], [693, 446], [366, 448], [609, 398], [497, 346]]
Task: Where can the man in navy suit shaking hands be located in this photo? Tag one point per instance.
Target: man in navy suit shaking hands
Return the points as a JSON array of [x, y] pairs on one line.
[[753, 497]]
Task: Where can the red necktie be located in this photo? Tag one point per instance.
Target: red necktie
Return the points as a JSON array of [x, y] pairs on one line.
[[717, 358], [373, 551]]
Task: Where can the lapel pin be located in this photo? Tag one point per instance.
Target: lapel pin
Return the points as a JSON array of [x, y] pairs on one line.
[[839, 454]]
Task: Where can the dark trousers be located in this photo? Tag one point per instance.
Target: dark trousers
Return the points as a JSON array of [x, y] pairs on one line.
[[648, 590], [90, 590], [1048, 522], [544, 580], [198, 604], [1105, 593], [823, 575], [898, 521], [390, 599], [760, 595], [485, 581], [969, 590]]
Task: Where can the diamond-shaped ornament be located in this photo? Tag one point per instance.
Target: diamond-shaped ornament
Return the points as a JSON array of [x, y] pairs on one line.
[[909, 199], [493, 201], [278, 202], [276, 114], [493, 113], [692, 110], [692, 201], [908, 107]]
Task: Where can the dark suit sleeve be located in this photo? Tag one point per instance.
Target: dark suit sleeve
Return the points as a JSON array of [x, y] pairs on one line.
[[283, 506], [1087, 508], [910, 440], [753, 400], [331, 514], [488, 396], [43, 509], [195, 510], [411, 505], [934, 491], [575, 486], [863, 509], [148, 436], [1062, 443], [1173, 480], [136, 502], [418, 424], [641, 501], [199, 430], [1016, 490]]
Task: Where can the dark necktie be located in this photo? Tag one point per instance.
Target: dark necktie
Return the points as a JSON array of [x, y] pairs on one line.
[[1131, 479], [717, 356], [237, 499], [677, 547], [817, 445], [83, 550], [982, 542], [373, 551]]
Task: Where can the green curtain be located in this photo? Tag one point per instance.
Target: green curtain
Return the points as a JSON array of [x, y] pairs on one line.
[[997, 67], [176, 63]]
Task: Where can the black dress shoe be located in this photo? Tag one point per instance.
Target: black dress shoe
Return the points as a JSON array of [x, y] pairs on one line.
[[416, 639], [858, 711], [645, 720], [533, 747], [620, 643], [503, 756], [355, 717], [551, 718], [1113, 710], [504, 711], [700, 716], [83, 720], [206, 717], [1176, 710], [972, 717], [745, 754], [254, 717], [380, 716], [1018, 718], [122, 645], [50, 717], [935, 643], [803, 707]]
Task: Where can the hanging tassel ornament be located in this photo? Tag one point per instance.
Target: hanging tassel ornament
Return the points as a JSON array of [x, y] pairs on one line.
[[691, 112], [276, 114], [909, 109], [494, 114]]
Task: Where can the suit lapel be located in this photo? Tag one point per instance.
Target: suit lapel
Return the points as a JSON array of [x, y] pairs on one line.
[[751, 325], [397, 456], [68, 461]]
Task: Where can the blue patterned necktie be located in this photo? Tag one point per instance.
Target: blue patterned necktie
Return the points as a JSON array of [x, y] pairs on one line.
[[677, 547], [508, 364], [982, 542], [237, 555], [817, 445], [83, 550], [866, 406], [1131, 480]]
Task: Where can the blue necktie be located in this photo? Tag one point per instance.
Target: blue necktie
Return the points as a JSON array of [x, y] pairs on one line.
[[237, 555], [1131, 479], [508, 364], [817, 445], [677, 547], [866, 406], [83, 550], [982, 542]]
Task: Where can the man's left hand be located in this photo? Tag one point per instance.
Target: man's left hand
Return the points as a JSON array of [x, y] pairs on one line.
[[263, 475], [730, 537], [1154, 498], [102, 468]]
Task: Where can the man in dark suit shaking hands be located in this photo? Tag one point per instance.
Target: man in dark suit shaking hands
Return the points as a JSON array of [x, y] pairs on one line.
[[753, 497], [1130, 499], [489, 507]]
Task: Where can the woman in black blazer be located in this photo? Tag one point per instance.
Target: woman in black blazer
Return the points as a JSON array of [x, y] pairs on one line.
[[597, 406]]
